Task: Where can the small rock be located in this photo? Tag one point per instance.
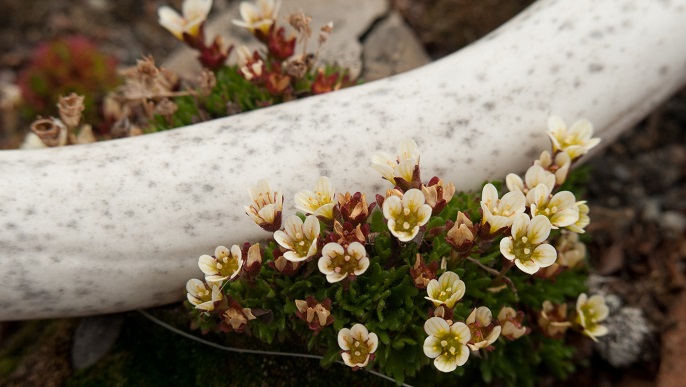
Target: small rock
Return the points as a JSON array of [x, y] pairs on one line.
[[392, 48], [93, 339], [672, 371], [674, 222], [651, 210]]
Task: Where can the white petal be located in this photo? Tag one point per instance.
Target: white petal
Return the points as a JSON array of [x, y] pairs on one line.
[[423, 215], [311, 228], [432, 347], [489, 195], [544, 255], [463, 356], [446, 363], [514, 182], [538, 230], [324, 187], [519, 226], [207, 264], [528, 266], [332, 250], [436, 326], [391, 207], [359, 332], [461, 331], [293, 226], [344, 339], [373, 342], [334, 277], [193, 286], [484, 315], [283, 240], [506, 248], [193, 9], [413, 199], [363, 265], [448, 280], [324, 265], [565, 217]]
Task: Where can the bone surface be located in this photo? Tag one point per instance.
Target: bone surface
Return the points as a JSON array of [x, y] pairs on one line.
[[119, 225]]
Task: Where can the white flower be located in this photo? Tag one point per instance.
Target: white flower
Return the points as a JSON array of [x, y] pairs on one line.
[[401, 166], [570, 252], [526, 245], [406, 215], [560, 208], [194, 14], [583, 221], [337, 262], [267, 206], [560, 166], [258, 17], [224, 265], [534, 176], [202, 295], [448, 289], [590, 312], [320, 202], [358, 345], [575, 141], [500, 213], [511, 323], [300, 239], [446, 343], [482, 331]]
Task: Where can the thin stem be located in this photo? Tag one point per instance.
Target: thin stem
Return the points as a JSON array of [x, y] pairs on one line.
[[500, 275]]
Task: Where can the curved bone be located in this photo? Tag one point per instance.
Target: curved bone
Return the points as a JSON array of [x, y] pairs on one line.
[[119, 225]]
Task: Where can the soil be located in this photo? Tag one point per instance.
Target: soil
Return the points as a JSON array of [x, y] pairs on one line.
[[635, 187]]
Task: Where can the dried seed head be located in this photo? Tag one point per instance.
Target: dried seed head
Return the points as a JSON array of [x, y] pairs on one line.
[[325, 32], [301, 22], [70, 108], [297, 66], [206, 82], [166, 107], [50, 130]]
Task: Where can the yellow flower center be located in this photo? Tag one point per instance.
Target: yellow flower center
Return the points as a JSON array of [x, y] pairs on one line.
[[345, 263], [359, 352]]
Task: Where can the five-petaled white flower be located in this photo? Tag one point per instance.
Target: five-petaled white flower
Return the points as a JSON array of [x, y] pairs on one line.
[[194, 14], [338, 262], [358, 345], [575, 141], [447, 344], [500, 213], [483, 332], [224, 265], [405, 216], [320, 202], [258, 17], [299, 238], [267, 206], [401, 166], [589, 313], [526, 245], [534, 176], [448, 289], [202, 295], [584, 219], [560, 208]]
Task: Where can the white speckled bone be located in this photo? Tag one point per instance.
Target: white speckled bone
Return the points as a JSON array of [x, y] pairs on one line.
[[119, 225]]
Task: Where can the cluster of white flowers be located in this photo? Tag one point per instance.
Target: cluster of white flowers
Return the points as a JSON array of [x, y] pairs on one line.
[[527, 245]]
